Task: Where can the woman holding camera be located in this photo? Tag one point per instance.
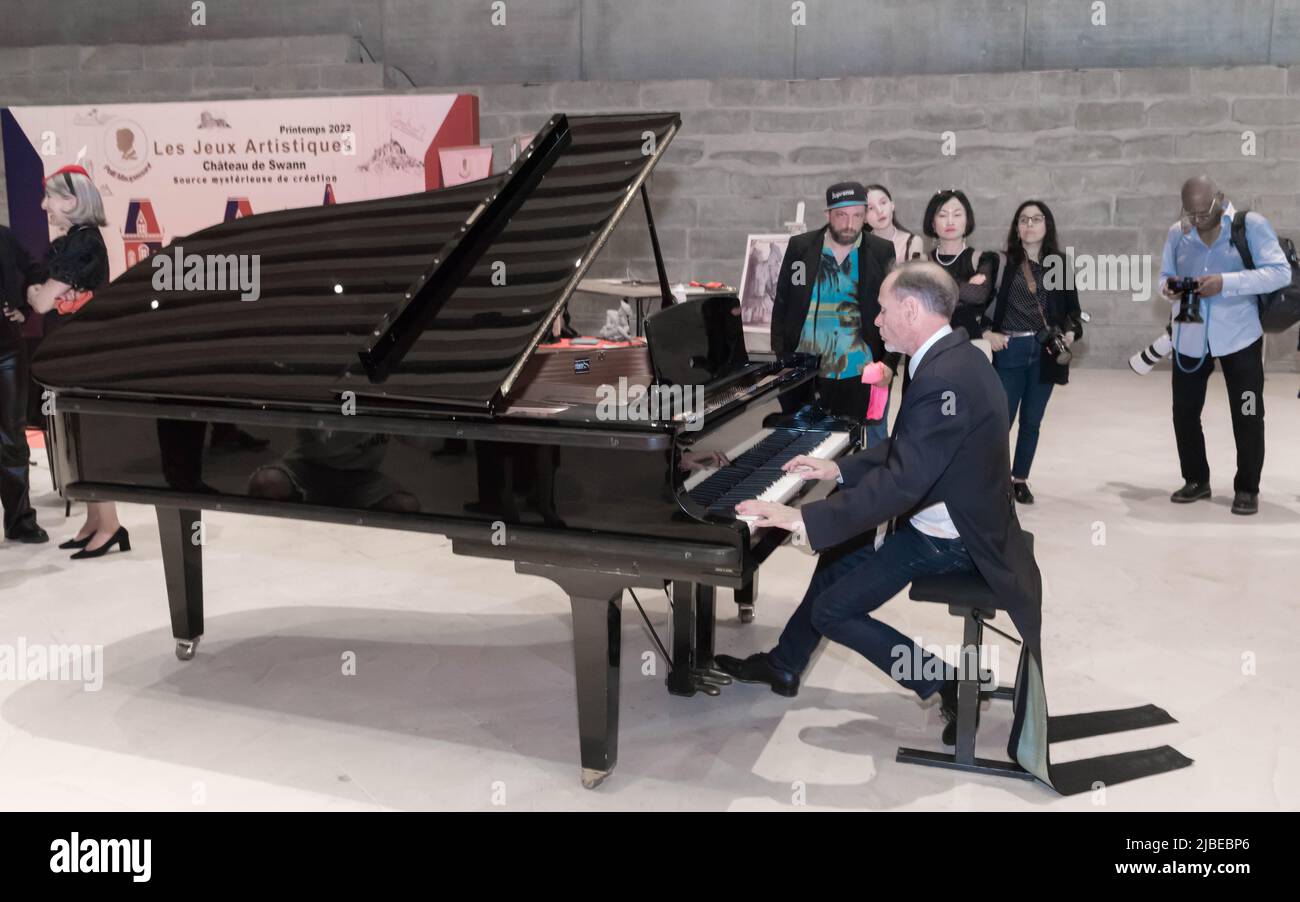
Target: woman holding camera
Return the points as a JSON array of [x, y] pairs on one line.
[[1032, 329]]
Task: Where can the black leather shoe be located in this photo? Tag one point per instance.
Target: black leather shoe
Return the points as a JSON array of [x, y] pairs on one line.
[[1193, 491], [121, 538], [29, 535], [758, 669], [948, 710], [1245, 503], [77, 543], [1022, 493]]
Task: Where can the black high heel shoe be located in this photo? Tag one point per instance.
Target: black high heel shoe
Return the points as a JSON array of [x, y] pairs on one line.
[[121, 537], [77, 543]]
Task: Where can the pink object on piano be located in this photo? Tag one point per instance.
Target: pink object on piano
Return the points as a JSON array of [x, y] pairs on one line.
[[873, 373], [876, 406]]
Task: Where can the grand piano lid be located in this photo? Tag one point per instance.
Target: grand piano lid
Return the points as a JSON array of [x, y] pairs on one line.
[[466, 328], [335, 279]]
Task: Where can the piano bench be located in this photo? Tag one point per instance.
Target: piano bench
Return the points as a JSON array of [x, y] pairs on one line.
[[969, 597]]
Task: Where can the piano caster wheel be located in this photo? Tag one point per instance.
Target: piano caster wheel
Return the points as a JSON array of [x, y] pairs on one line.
[[185, 649], [746, 613], [591, 777]]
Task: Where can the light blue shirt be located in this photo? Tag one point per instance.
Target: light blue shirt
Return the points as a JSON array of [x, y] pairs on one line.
[[1232, 316]]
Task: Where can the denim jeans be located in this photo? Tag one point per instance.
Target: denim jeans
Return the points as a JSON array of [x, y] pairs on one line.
[[875, 433], [850, 583], [1019, 367]]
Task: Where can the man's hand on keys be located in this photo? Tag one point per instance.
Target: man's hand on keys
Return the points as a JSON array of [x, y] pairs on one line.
[[765, 513], [806, 468]]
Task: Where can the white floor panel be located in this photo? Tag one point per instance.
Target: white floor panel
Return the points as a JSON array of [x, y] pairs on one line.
[[463, 695]]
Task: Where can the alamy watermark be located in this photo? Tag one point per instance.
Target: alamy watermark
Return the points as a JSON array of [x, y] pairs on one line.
[[1099, 272], [931, 663], [179, 271], [651, 403], [73, 663]]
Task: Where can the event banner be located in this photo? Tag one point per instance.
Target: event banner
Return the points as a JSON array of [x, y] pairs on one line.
[[166, 170]]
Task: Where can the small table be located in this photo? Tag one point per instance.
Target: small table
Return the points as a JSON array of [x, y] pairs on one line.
[[638, 291]]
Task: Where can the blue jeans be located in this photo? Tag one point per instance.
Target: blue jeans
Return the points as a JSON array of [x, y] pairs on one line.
[[875, 433], [850, 583], [1019, 367]]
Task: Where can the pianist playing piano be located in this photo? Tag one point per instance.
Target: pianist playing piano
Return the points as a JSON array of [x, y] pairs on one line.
[[941, 478]]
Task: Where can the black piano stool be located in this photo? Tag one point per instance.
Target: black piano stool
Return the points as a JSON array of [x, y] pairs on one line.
[[969, 597]]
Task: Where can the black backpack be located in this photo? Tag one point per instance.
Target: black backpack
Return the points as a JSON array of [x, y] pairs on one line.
[[1278, 310]]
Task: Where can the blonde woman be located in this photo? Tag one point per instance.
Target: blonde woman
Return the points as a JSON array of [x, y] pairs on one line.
[[77, 264]]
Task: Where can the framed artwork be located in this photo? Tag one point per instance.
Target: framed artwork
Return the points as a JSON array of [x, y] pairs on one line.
[[465, 164], [758, 277], [519, 144]]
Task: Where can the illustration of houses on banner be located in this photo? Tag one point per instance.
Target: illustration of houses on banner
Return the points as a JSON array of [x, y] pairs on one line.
[[237, 208], [141, 234]]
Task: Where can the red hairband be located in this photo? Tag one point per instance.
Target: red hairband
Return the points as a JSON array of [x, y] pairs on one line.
[[67, 177]]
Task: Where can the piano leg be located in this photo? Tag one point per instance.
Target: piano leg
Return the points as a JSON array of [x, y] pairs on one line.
[[183, 569], [597, 603], [681, 679], [744, 597], [693, 618], [597, 620], [705, 614]]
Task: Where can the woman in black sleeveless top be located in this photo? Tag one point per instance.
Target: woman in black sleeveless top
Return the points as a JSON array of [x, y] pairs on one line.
[[949, 219]]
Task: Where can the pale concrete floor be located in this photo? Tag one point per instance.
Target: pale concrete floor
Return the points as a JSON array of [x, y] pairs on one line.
[[464, 695]]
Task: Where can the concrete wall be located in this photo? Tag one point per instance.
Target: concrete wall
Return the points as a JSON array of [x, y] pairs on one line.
[[436, 41], [1106, 148]]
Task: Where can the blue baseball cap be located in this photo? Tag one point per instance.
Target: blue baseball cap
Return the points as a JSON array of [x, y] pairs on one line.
[[846, 194]]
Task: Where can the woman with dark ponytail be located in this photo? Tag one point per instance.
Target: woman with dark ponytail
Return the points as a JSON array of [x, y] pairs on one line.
[[1031, 301]]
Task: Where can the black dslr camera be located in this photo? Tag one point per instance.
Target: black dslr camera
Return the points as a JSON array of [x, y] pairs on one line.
[[1053, 341], [1189, 308]]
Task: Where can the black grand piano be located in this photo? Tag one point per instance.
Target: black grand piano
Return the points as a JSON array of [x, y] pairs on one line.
[[392, 361]]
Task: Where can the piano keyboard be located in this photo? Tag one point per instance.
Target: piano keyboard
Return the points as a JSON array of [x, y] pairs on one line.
[[755, 471]]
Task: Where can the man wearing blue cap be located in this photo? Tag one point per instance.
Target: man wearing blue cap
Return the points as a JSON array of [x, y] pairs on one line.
[[827, 302]]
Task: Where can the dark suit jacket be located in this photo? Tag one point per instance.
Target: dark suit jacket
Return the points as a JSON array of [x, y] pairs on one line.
[[790, 308], [17, 271], [949, 445]]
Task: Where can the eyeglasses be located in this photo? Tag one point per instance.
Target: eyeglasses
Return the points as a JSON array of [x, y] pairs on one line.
[[1032, 220], [1202, 214]]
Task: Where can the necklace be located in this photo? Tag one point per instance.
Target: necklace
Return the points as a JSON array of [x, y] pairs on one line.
[[938, 258]]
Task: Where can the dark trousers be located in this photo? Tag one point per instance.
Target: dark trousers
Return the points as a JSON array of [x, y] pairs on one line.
[[1020, 367], [14, 453], [850, 583], [1244, 373]]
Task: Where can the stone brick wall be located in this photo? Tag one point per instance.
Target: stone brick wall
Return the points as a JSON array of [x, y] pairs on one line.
[[1107, 149]]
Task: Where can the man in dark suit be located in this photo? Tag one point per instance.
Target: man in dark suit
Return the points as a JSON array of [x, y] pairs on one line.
[[17, 271], [826, 303], [943, 474]]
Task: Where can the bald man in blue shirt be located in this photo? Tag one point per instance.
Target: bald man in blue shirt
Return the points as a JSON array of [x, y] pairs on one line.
[[1199, 245]]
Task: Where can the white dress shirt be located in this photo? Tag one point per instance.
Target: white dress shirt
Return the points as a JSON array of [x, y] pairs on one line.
[[932, 520]]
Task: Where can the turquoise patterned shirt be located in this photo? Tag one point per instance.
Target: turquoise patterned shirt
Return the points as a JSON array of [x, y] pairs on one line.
[[833, 327]]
